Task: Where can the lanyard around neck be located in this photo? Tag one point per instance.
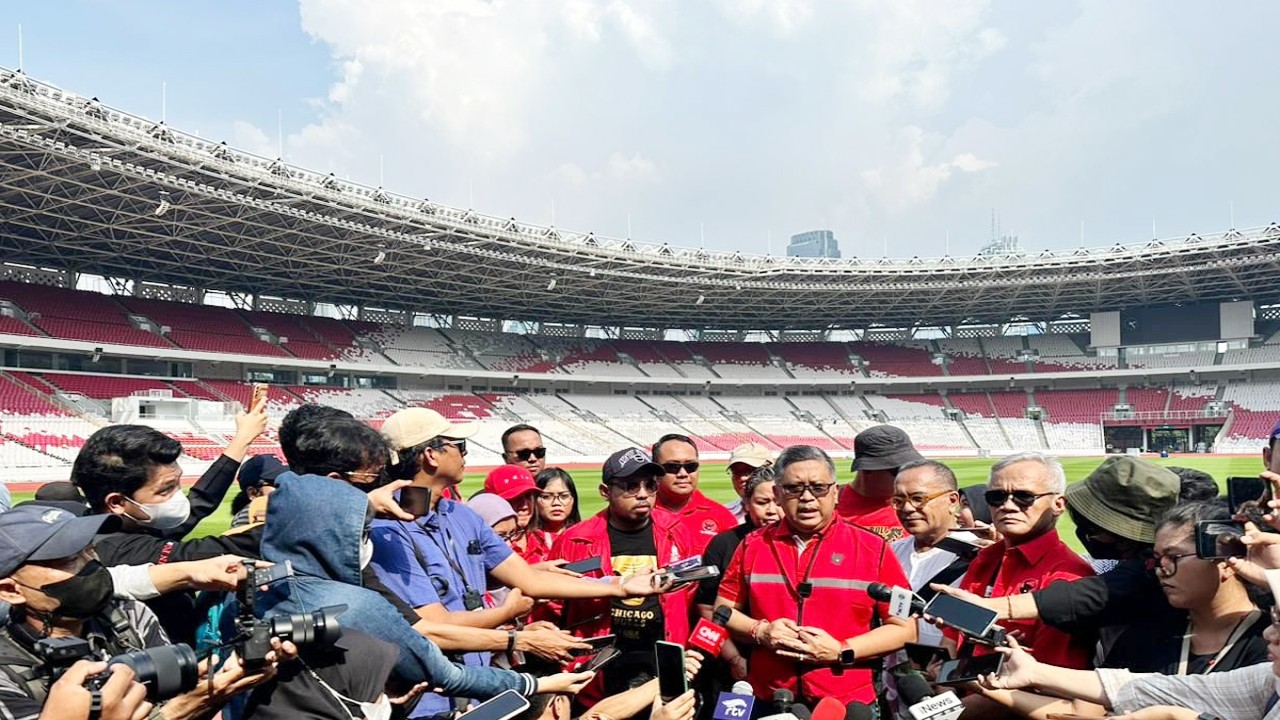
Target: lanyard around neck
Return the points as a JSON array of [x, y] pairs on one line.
[[1237, 632]]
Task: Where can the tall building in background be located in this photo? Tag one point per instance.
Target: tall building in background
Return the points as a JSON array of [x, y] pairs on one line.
[[815, 243]]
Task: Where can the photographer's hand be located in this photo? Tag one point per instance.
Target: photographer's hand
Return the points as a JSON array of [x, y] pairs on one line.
[[230, 680], [121, 698]]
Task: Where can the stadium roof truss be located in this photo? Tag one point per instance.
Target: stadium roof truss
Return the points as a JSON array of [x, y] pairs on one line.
[[91, 189]]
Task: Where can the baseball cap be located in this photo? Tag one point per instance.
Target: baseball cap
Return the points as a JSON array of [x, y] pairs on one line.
[[751, 453], [61, 491], [1125, 496], [629, 462], [414, 426], [509, 482], [32, 532], [883, 447], [259, 469]]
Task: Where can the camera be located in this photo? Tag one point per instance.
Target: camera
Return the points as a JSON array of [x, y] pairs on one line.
[[165, 671], [319, 628]]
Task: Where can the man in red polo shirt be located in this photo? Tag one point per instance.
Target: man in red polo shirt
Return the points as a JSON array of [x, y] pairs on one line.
[[799, 590], [878, 452], [1025, 494], [702, 517]]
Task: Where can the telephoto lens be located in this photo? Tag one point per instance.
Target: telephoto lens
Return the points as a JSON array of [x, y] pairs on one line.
[[319, 628], [165, 671]]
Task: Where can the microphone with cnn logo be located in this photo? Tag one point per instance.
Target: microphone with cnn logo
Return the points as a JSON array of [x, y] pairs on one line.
[[708, 637]]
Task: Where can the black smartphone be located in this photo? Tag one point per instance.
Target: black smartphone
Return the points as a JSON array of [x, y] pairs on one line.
[[697, 574], [583, 567], [672, 682], [415, 500], [1219, 539], [962, 544], [924, 655], [275, 573], [967, 669], [600, 659], [597, 643], [1249, 496], [503, 706], [964, 616]]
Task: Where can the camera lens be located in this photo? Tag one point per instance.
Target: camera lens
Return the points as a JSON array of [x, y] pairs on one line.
[[319, 628], [165, 671]]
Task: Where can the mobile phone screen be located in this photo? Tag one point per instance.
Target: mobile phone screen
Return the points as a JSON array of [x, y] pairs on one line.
[[583, 566], [1249, 496], [963, 616], [967, 669], [600, 659], [415, 500], [670, 662], [500, 707], [1217, 539]]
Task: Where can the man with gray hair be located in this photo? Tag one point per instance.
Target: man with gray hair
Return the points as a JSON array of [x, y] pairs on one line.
[[1025, 494]]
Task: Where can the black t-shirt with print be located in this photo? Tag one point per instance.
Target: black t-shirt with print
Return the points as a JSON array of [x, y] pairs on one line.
[[637, 622]]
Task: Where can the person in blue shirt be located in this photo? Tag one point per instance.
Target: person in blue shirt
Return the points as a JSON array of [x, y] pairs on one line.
[[440, 563]]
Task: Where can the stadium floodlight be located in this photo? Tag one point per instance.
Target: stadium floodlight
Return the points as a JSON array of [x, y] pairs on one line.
[[382, 255], [701, 299], [164, 205], [552, 285]]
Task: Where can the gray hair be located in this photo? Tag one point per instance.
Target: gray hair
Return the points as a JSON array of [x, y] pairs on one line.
[[941, 473], [801, 453], [1057, 475], [759, 476]]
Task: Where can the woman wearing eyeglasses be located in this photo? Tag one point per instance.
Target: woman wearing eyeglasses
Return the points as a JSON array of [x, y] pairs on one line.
[[557, 504]]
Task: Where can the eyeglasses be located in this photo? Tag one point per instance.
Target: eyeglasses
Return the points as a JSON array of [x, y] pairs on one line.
[[1171, 569], [674, 468], [1022, 498], [507, 537], [526, 454], [818, 490], [632, 487], [460, 444], [379, 477], [916, 500], [563, 498]]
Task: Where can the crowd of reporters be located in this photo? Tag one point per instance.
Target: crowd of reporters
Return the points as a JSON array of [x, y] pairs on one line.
[[357, 581]]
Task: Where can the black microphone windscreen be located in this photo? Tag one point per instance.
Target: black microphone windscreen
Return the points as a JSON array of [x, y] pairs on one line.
[[721, 615], [858, 711], [801, 712], [879, 592], [783, 696], [913, 689]]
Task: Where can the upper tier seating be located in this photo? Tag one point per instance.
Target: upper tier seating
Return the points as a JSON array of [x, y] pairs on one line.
[[908, 360], [1084, 406], [78, 315], [203, 327]]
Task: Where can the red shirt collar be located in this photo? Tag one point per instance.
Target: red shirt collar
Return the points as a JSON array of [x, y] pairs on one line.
[[782, 529], [1033, 551]]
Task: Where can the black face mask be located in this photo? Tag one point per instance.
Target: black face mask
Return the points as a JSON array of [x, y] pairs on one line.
[[1099, 550], [84, 595]]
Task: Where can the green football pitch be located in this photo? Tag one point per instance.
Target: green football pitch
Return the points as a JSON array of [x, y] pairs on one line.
[[715, 483]]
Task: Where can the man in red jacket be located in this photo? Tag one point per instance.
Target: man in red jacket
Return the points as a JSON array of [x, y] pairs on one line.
[[678, 492], [878, 452], [628, 536]]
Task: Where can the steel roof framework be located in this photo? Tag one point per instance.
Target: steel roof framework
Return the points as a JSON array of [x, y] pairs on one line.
[[91, 189]]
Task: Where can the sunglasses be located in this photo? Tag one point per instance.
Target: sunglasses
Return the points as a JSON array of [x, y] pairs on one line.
[[818, 490], [460, 444], [1022, 498], [632, 487], [674, 468], [528, 453]]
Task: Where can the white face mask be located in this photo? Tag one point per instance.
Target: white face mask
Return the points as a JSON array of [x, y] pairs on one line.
[[366, 553], [166, 515]]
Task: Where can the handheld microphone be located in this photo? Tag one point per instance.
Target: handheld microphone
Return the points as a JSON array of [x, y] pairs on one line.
[[858, 711], [737, 704], [800, 712], [708, 638], [902, 602], [782, 702], [828, 708], [923, 706]]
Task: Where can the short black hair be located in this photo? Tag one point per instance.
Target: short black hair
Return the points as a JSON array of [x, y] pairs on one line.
[[1196, 485], [299, 421], [672, 437], [336, 445], [522, 427], [120, 459], [409, 460], [940, 471]]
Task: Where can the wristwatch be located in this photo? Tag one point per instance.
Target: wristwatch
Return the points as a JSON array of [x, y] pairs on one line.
[[847, 656]]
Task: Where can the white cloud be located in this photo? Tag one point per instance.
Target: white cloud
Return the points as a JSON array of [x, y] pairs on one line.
[[249, 137], [632, 169], [909, 179]]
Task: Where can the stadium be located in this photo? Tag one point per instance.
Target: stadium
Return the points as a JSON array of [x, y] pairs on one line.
[[228, 268]]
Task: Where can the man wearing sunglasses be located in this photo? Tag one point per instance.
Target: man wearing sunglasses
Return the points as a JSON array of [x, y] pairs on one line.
[[522, 445], [799, 591], [1025, 494], [629, 536], [678, 494]]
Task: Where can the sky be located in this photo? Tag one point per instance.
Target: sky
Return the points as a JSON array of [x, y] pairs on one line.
[[729, 124]]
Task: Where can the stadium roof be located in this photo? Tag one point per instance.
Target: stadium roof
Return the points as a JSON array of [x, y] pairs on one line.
[[88, 188]]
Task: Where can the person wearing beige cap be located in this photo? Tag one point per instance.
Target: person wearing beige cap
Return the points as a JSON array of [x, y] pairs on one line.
[[742, 462]]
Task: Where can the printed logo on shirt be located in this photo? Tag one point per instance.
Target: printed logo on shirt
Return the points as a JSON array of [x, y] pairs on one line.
[[709, 527], [888, 532], [837, 558], [628, 564]]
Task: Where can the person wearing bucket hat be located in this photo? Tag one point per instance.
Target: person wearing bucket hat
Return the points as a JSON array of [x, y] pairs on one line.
[[878, 452]]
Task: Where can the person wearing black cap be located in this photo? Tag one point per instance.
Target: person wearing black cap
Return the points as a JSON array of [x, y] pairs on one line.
[[631, 540], [878, 452], [58, 589], [257, 478]]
